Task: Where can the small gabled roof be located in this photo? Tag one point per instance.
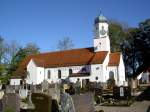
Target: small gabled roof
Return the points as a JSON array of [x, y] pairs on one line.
[[114, 59]]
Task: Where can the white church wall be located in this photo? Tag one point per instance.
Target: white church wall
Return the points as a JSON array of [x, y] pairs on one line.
[[35, 74], [64, 72], [101, 42], [53, 75], [113, 69], [99, 27], [15, 81], [97, 71], [100, 70], [32, 73], [78, 69], [40, 75], [121, 70], [105, 71]]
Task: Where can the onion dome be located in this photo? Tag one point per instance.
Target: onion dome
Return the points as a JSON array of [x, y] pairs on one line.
[[100, 19]]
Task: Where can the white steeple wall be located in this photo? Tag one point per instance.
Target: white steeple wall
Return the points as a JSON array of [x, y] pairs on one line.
[[101, 37]]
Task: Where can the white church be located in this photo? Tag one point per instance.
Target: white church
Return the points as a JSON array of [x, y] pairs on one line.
[[95, 63]]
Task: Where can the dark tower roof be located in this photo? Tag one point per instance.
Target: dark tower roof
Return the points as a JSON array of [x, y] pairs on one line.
[[100, 19]]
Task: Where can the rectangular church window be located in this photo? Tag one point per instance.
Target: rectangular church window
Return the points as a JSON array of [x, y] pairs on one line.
[[49, 74]]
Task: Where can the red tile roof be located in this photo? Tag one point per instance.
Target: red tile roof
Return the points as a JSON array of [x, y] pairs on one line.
[[75, 57], [114, 59]]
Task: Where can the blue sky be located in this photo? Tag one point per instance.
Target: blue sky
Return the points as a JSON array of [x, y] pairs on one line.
[[44, 22]]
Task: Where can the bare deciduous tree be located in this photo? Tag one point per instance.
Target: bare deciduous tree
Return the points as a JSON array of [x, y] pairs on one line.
[[3, 50], [31, 48], [65, 44], [13, 48]]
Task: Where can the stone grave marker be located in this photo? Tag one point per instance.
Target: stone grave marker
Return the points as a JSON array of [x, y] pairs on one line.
[[23, 93], [10, 89], [42, 102], [84, 102], [45, 85], [27, 106], [122, 92], [1, 94], [11, 102], [38, 88], [54, 92], [33, 88], [66, 103]]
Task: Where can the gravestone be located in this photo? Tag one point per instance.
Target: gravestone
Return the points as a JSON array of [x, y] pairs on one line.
[[38, 88], [45, 85], [10, 89], [122, 92], [1, 94], [84, 102], [11, 102], [42, 102], [27, 105], [66, 103], [54, 92], [33, 88], [23, 93]]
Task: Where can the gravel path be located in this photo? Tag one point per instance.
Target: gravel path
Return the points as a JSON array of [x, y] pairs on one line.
[[136, 107]]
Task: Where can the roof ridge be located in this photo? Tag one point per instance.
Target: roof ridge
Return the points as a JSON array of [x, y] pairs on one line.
[[60, 51]]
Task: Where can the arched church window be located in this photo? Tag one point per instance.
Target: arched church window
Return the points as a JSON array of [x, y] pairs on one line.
[[59, 74], [97, 68], [70, 71], [96, 78], [83, 70], [49, 74], [21, 82], [111, 75]]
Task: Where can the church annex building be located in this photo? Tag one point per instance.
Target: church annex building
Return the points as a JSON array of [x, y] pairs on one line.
[[95, 63]]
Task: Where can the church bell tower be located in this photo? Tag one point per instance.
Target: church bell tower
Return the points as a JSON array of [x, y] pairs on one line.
[[101, 34]]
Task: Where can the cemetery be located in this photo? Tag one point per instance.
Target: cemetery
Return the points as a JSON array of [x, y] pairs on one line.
[[68, 97]]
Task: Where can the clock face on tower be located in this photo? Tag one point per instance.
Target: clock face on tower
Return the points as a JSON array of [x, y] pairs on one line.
[[102, 31]]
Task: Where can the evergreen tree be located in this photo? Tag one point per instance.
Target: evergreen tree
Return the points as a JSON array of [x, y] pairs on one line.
[[136, 49]]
